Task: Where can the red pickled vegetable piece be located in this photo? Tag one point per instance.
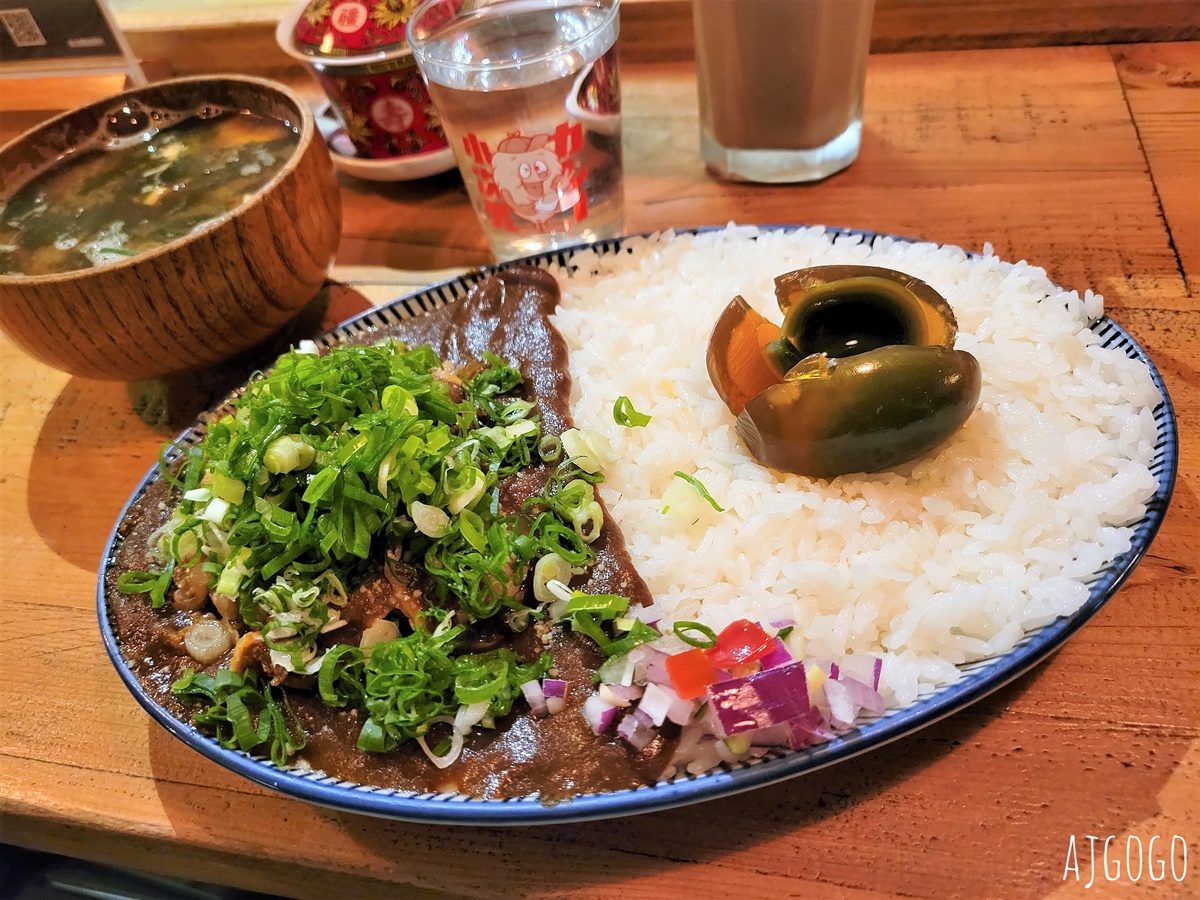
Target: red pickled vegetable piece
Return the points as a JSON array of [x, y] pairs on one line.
[[691, 673], [741, 642]]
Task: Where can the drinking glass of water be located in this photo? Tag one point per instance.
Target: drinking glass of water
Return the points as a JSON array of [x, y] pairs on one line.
[[530, 101]]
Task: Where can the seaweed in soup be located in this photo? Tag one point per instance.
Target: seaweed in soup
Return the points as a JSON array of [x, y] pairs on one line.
[[103, 205]]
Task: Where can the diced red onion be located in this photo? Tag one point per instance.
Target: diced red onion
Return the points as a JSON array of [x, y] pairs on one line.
[[535, 697], [862, 696], [770, 697], [681, 711], [637, 654], [555, 705], [809, 729], [653, 666], [834, 671], [635, 731], [782, 623], [778, 655], [642, 717], [842, 710], [861, 666], [771, 736], [598, 713], [554, 687], [620, 694], [656, 703], [651, 614]]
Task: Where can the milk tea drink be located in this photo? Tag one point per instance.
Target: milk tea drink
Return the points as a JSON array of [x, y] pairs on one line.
[[781, 85]]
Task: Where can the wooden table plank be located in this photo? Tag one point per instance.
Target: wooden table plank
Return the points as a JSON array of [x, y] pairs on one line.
[[1162, 87], [1032, 150], [196, 38], [1046, 167]]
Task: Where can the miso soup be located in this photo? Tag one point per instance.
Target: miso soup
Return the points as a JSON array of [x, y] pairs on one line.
[[105, 205]]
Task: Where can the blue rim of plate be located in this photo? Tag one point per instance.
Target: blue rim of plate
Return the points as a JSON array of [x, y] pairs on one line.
[[979, 678]]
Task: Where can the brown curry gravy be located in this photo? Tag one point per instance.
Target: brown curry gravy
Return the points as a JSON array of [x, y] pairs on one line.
[[555, 757]]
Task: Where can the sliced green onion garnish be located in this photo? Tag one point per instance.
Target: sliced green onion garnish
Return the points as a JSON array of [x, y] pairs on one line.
[[481, 682], [624, 414], [697, 634], [606, 606], [549, 448], [229, 489], [153, 583], [701, 490], [588, 521]]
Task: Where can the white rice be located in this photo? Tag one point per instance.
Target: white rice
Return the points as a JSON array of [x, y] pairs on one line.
[[936, 563]]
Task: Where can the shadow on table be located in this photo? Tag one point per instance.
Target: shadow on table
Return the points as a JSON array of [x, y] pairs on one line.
[[981, 804]]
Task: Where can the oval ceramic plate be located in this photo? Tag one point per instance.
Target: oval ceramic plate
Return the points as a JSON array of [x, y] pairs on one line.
[[979, 679]]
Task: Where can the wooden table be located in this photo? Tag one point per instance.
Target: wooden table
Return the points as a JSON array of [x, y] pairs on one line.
[[1085, 160]]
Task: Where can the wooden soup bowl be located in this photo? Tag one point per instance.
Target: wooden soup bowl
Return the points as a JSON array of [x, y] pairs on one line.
[[198, 299]]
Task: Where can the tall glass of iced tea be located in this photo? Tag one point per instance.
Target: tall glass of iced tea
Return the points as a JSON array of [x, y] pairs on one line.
[[530, 101]]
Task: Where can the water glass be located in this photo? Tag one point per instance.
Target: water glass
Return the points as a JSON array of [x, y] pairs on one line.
[[530, 101]]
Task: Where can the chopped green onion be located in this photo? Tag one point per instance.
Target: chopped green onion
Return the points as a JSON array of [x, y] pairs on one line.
[[329, 457], [229, 489], [640, 633], [606, 606], [588, 522], [431, 521], [550, 448], [783, 632], [232, 574], [701, 490], [588, 449], [153, 583], [462, 499], [624, 414], [587, 612], [551, 567], [687, 631], [243, 715], [481, 682], [289, 453]]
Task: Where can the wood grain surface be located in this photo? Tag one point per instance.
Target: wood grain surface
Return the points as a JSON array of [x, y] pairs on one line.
[[195, 36], [1061, 156]]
